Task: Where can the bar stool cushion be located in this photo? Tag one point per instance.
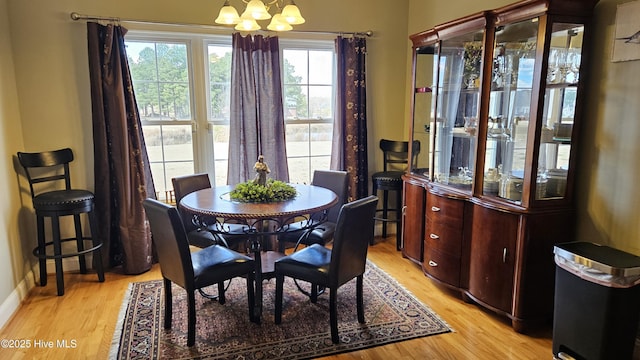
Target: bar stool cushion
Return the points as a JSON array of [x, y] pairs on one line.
[[63, 200], [388, 180]]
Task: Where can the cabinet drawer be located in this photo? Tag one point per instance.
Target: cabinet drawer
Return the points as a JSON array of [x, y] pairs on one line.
[[444, 238], [442, 210], [441, 266]]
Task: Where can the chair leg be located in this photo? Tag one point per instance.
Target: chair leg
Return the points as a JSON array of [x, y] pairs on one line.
[[168, 305], [41, 251], [57, 252], [191, 322], [279, 289], [80, 243], [251, 298], [221, 298], [333, 314], [314, 293], [374, 192], [97, 255], [360, 298], [398, 219], [385, 212]]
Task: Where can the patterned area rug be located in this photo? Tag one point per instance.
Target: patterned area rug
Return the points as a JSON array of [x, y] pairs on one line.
[[392, 314]]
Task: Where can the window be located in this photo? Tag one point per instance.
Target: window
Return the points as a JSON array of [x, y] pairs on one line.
[[219, 60], [182, 85], [308, 78], [160, 74]]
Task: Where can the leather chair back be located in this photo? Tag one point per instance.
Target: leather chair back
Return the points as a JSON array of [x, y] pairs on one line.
[[335, 181], [171, 242], [184, 185], [354, 232]]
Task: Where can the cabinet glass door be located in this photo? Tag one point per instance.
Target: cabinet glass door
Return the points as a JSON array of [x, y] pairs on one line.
[[456, 109], [424, 81], [510, 111], [563, 76]]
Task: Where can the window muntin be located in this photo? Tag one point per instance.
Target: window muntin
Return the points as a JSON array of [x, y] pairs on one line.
[[160, 75]]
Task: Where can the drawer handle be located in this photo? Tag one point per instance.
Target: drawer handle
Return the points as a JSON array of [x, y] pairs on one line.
[[504, 255], [434, 236], [435, 209], [433, 263]]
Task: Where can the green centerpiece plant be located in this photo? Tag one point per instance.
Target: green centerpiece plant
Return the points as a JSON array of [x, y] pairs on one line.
[[261, 189], [272, 191]]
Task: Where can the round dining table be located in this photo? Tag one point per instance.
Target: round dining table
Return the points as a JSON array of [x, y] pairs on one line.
[[215, 206]]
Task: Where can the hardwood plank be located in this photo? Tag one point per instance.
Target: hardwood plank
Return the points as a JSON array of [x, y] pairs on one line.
[[88, 311]]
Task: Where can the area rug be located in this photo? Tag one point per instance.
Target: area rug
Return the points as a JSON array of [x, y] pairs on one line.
[[392, 314]]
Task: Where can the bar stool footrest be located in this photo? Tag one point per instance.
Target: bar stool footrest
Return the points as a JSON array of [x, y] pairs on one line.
[[36, 250]]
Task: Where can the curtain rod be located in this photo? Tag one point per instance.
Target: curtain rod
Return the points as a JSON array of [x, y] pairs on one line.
[[75, 16]]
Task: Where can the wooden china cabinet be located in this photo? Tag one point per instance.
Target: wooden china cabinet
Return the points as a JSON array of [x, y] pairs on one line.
[[498, 96]]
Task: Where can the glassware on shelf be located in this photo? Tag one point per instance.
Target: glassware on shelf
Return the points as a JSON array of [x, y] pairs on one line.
[[464, 177], [559, 67], [471, 81], [556, 182], [496, 128], [574, 58], [511, 187], [470, 125], [541, 184], [491, 182]]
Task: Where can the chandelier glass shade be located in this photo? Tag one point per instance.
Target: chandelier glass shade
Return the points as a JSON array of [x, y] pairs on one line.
[[284, 17]]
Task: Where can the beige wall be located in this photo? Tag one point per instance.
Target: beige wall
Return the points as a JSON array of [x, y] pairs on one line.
[[608, 201], [45, 102], [15, 261], [50, 52], [46, 51]]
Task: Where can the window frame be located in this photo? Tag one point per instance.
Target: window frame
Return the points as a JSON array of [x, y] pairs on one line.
[[201, 121], [311, 45]]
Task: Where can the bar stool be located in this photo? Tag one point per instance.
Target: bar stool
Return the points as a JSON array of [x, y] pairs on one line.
[[53, 166], [395, 154]]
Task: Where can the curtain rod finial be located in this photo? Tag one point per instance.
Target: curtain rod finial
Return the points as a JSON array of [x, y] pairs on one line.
[[75, 16]]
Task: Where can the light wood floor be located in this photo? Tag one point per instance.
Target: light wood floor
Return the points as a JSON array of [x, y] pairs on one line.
[[86, 316]]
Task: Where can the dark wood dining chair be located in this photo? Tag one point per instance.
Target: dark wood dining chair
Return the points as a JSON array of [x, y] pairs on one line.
[[322, 234], [332, 268], [191, 271], [204, 236], [44, 170]]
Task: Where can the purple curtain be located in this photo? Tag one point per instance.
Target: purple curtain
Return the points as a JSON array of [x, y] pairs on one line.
[[349, 151], [257, 116], [121, 165]]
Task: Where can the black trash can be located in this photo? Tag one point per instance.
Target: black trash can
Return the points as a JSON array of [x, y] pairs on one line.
[[597, 302]]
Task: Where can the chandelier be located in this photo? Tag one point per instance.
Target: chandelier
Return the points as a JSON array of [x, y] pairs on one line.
[[257, 10]]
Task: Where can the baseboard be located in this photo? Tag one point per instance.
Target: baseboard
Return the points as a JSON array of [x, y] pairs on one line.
[[391, 229], [12, 303]]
